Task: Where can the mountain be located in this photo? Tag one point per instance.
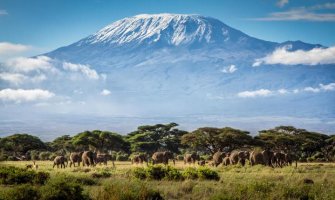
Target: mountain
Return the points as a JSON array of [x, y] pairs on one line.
[[190, 69], [147, 33]]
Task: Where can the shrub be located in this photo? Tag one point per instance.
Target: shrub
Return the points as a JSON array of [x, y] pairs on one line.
[[140, 173], [13, 175], [62, 188], [190, 173], [22, 192], [103, 174], [44, 155], [156, 172], [122, 157], [173, 174], [208, 174]]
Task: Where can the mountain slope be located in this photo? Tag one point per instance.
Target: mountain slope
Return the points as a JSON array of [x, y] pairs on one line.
[[187, 68]]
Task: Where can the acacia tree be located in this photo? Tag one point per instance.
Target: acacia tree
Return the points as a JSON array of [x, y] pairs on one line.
[[100, 141], [291, 139], [151, 138], [211, 139], [20, 144]]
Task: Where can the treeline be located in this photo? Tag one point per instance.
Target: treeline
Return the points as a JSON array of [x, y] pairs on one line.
[[306, 145]]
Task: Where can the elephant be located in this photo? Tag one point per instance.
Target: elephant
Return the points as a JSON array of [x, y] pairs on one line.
[[101, 158], [75, 157], [289, 158], [162, 157], [139, 159], [201, 162], [256, 158], [191, 158], [238, 157], [60, 160], [218, 158], [226, 161], [278, 159], [88, 158], [267, 157]]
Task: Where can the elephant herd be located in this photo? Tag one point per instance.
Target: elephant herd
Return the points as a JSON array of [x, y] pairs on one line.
[[265, 157], [87, 158]]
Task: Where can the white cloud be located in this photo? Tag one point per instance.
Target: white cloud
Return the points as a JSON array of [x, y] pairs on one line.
[[322, 87], [84, 69], [17, 78], [21, 95], [266, 92], [255, 93], [311, 13], [282, 3], [283, 91], [14, 78], [3, 12], [329, 87], [311, 89], [7, 48], [105, 92], [23, 64], [229, 69], [314, 56]]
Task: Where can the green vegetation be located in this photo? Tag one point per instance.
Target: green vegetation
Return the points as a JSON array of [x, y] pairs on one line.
[[26, 179], [303, 144]]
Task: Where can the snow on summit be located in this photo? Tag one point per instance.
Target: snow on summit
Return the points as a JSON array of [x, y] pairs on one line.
[[172, 29]]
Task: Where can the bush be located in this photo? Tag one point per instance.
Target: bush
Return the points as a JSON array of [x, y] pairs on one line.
[[140, 173], [44, 155], [103, 174], [190, 173], [173, 174], [22, 192], [208, 174], [122, 157], [156, 172], [62, 188], [13, 175]]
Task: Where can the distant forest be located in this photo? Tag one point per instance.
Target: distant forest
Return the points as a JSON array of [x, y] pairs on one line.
[[307, 146]]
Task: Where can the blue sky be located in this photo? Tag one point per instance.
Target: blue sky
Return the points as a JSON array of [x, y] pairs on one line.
[[46, 25]]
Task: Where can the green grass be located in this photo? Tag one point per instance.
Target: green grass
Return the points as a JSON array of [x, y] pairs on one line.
[[236, 182]]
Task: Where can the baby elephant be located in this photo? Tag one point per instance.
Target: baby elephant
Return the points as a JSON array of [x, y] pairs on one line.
[[60, 160]]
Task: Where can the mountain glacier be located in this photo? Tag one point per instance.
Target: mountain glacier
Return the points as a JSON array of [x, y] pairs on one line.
[[190, 69]]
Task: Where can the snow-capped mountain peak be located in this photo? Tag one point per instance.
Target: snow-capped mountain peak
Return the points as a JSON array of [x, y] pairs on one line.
[[168, 29]]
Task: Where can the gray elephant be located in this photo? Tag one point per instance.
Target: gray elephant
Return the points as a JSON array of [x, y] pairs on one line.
[[289, 158], [267, 157], [278, 159], [238, 157], [88, 158], [226, 161], [60, 160], [101, 158], [264, 158], [139, 159], [256, 158], [162, 157], [75, 157], [218, 158], [191, 158]]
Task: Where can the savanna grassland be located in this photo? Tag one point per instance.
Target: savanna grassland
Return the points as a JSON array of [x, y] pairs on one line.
[[307, 181]]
